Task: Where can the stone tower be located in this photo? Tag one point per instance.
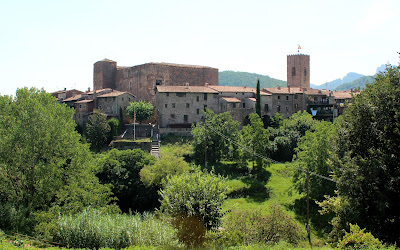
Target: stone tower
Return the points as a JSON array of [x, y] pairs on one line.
[[104, 74], [298, 71]]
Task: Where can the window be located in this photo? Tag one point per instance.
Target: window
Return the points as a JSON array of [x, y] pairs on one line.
[[279, 97], [166, 105], [173, 105], [180, 94], [234, 105], [187, 105], [296, 96], [197, 98], [205, 96], [173, 116], [198, 111], [287, 98], [84, 106], [205, 106], [129, 99], [293, 71], [305, 72], [158, 82], [244, 105], [266, 108], [80, 106], [296, 106], [167, 94], [185, 118], [278, 108], [122, 99], [287, 109], [130, 85]]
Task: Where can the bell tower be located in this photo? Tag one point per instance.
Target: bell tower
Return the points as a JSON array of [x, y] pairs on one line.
[[298, 70]]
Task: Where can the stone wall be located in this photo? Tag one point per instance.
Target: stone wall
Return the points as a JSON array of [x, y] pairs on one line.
[[298, 71]]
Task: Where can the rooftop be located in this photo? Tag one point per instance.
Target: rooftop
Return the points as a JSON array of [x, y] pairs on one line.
[[84, 101], [231, 99], [233, 89], [115, 93], [185, 89]]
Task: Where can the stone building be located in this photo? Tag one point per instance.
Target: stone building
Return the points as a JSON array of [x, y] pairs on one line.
[[298, 71], [141, 80], [180, 106], [114, 102], [64, 94]]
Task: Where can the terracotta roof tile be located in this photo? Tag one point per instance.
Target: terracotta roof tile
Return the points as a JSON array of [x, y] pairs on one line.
[[231, 99], [185, 89], [252, 99], [233, 89], [344, 94], [114, 93], [84, 101]]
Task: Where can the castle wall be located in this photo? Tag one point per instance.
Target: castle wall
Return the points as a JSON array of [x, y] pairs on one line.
[[104, 73], [298, 71]]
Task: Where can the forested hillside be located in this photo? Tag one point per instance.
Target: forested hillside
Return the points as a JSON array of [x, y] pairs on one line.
[[358, 83], [236, 78]]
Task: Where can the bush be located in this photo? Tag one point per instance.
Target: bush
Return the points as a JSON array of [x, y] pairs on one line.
[[247, 227], [94, 229], [196, 193], [15, 218], [358, 239]]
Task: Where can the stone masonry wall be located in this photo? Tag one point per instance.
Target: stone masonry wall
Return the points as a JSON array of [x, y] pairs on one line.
[[298, 70]]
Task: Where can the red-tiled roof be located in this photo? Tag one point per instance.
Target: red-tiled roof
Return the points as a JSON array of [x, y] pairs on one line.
[[344, 94], [98, 91], [84, 101], [114, 93], [231, 99], [252, 99], [73, 98], [233, 89], [185, 89]]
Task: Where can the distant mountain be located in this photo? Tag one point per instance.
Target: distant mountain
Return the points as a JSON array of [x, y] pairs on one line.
[[358, 83], [381, 68], [235, 78], [350, 77]]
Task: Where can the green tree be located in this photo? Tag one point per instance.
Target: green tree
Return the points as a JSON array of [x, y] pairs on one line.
[[143, 110], [97, 129], [196, 193], [41, 155], [258, 99], [213, 137], [168, 165], [114, 128], [121, 168], [367, 167], [255, 138], [277, 120], [285, 138]]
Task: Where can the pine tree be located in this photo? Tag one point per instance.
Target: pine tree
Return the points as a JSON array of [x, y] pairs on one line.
[[258, 99]]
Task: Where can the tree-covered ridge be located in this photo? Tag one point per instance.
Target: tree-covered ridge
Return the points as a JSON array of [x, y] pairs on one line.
[[236, 78], [358, 83]]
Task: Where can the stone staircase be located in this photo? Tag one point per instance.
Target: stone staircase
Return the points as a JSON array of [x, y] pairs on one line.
[[155, 148]]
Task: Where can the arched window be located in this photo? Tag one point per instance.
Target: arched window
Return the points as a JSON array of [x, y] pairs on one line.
[[293, 71], [305, 72]]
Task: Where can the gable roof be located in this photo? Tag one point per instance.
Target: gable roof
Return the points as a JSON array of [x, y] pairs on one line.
[[233, 89], [185, 89]]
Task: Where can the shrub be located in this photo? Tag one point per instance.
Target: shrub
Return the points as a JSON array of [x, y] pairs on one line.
[[94, 229], [195, 193], [246, 227], [358, 239]]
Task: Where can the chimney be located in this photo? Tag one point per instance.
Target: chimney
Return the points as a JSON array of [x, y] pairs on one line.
[[65, 89], [187, 85], [206, 84], [279, 87]]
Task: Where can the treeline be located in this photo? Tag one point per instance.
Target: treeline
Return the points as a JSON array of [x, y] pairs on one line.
[[235, 78]]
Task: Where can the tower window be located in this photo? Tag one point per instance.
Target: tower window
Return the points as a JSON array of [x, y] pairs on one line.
[[293, 71], [185, 118], [305, 72], [158, 82]]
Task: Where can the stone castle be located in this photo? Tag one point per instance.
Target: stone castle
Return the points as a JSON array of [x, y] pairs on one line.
[[180, 93]]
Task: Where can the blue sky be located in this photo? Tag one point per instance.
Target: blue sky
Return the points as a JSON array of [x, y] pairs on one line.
[[54, 44]]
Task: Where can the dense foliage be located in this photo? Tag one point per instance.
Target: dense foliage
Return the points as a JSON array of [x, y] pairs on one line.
[[196, 193], [255, 139], [42, 161], [143, 110], [246, 227], [367, 159], [209, 137], [121, 168], [97, 130]]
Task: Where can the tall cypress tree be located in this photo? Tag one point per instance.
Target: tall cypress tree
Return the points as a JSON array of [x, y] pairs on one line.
[[258, 99]]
